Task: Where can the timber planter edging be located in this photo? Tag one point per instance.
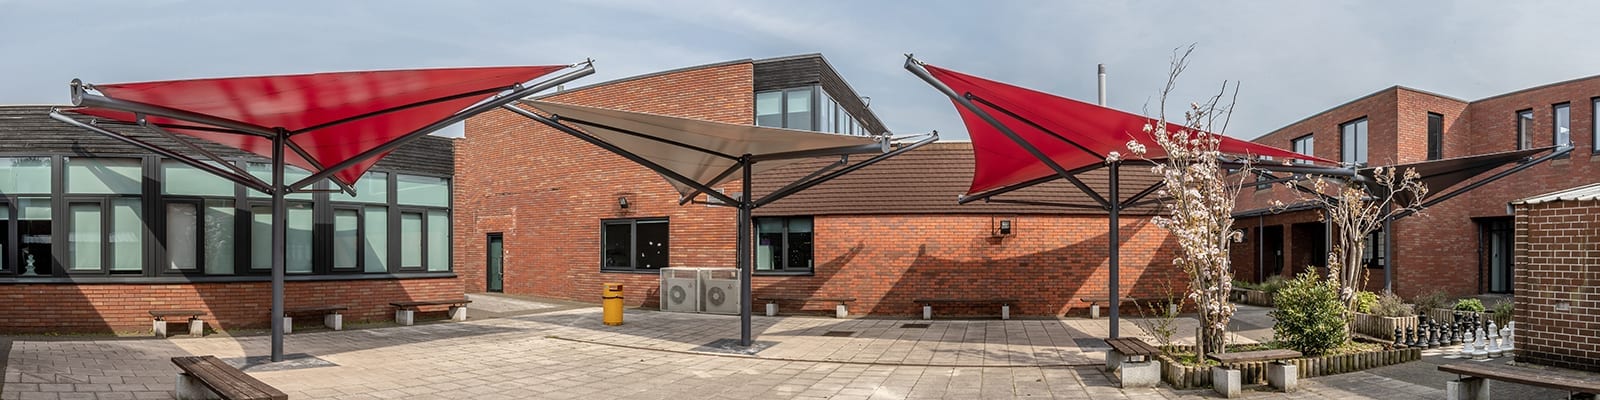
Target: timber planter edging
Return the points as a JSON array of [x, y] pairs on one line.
[[1190, 377], [1381, 327], [1252, 297]]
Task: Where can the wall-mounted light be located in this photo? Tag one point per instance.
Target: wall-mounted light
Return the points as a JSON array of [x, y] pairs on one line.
[[622, 202], [1005, 227]]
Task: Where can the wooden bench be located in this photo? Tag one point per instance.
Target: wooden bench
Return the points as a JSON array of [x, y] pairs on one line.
[[1133, 360], [331, 316], [839, 311], [406, 311], [197, 327], [1236, 365], [206, 377], [927, 305], [1472, 379], [1095, 302]]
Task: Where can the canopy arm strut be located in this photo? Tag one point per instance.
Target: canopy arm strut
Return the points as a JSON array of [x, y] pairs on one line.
[[314, 164], [1037, 181], [624, 153], [215, 170], [213, 156], [82, 98], [1041, 128], [916, 69], [1559, 152], [402, 107], [651, 138], [1041, 203], [832, 151], [588, 68], [1142, 194], [843, 159], [795, 188], [725, 173]]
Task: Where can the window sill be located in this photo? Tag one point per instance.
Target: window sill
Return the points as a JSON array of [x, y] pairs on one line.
[[631, 271], [785, 273], [221, 278]]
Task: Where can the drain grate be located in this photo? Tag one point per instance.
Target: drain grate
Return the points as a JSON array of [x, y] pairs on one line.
[[922, 326], [839, 333]]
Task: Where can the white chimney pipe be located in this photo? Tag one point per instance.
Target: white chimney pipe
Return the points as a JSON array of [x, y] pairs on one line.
[[1102, 85]]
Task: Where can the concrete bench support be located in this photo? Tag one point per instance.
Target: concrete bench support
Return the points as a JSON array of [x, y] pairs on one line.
[[405, 317], [191, 388], [1283, 376], [927, 312], [1143, 374], [772, 309], [159, 327], [458, 313], [1005, 311], [1226, 382], [1094, 311], [288, 325], [334, 321], [1467, 388], [840, 311]]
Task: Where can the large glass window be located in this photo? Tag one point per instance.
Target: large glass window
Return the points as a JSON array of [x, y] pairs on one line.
[[373, 187], [182, 179], [183, 236], [1375, 250], [422, 190], [438, 227], [1524, 128], [24, 175], [797, 109], [1354, 144], [1594, 119], [346, 238], [1435, 136], [1561, 130], [793, 108], [85, 236], [104, 175], [769, 109], [375, 239], [297, 244], [634, 244], [1306, 145], [410, 239], [219, 237], [127, 235], [783, 244], [33, 236]]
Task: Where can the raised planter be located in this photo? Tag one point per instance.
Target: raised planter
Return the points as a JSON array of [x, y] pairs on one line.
[[1448, 315], [1381, 327], [1252, 297], [1190, 377]]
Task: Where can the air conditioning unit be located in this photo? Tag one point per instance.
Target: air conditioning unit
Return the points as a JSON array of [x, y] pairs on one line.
[[720, 290], [680, 289]]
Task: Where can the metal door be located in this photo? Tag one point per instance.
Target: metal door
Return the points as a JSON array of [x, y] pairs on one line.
[[496, 264]]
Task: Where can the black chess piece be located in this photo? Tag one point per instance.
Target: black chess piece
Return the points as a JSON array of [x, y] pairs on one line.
[[1411, 337], [1433, 339], [1399, 337]]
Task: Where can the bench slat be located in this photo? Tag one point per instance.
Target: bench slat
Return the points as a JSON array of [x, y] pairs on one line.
[[1249, 356], [1132, 347], [838, 299], [168, 313], [409, 304], [316, 309], [225, 380], [1524, 376], [926, 301]]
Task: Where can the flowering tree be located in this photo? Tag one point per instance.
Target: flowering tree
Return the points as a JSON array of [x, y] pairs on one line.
[[1197, 202], [1356, 208]]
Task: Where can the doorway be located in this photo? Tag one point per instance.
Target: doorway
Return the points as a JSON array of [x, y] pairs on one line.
[[1495, 245], [1271, 250], [496, 263]]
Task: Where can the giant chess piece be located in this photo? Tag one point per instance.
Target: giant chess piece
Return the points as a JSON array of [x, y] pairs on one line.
[[1435, 335], [1411, 337], [1494, 345], [1466, 346], [1399, 337], [1508, 332], [1480, 349]]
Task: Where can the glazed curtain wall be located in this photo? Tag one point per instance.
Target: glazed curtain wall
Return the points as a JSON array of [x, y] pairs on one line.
[[139, 215]]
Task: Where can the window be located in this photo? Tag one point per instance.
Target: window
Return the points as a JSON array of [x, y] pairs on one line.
[[1306, 145], [1353, 146], [375, 239], [634, 244], [1561, 129], [181, 179], [1262, 186], [25, 175], [297, 243], [421, 190], [183, 236], [1524, 126], [33, 236], [346, 238], [805, 108], [1594, 131], [769, 109], [1435, 136], [1375, 243], [783, 244]]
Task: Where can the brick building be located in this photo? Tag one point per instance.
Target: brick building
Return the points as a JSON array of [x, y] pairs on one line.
[[1558, 278], [94, 233], [551, 205], [1462, 246]]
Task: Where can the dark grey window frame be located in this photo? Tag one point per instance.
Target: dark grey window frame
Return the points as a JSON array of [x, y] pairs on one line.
[[633, 244], [1524, 127], [785, 270], [165, 263], [1355, 151], [396, 239], [1555, 124], [1374, 257], [1594, 125], [1310, 140], [1435, 136], [842, 123], [332, 232]]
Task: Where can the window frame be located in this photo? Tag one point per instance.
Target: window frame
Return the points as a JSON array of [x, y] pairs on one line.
[[1310, 141], [397, 243], [633, 244], [785, 269], [1375, 255], [199, 203], [1355, 151], [1435, 136], [1594, 125], [1555, 124], [10, 262], [333, 238], [1524, 130]]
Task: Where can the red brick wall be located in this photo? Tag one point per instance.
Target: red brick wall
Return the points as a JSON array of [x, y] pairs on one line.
[[547, 192], [1558, 284], [118, 307]]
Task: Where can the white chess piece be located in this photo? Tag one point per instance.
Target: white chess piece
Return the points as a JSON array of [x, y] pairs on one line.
[[1494, 346], [1480, 350], [1494, 331], [1505, 339], [1466, 345]]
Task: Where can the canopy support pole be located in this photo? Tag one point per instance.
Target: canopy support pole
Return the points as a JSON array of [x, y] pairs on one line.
[[746, 204], [1388, 255], [1116, 246], [279, 234]]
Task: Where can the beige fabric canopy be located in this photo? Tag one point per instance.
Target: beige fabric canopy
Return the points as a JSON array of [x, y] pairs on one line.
[[704, 151]]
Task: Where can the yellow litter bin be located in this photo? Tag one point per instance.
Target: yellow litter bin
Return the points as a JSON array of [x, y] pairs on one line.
[[611, 304]]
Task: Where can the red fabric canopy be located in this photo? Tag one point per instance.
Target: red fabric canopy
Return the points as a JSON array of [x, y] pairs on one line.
[[1000, 162], [376, 106]]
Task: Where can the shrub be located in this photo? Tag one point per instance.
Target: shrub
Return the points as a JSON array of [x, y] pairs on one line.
[[1469, 304], [1310, 317], [1365, 300], [1272, 284], [1430, 300], [1391, 305], [1502, 308]]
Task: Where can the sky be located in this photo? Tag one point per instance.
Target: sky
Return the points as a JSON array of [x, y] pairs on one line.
[[1292, 59]]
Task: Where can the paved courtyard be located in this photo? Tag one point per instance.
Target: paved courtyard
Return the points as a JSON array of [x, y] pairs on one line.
[[520, 349]]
